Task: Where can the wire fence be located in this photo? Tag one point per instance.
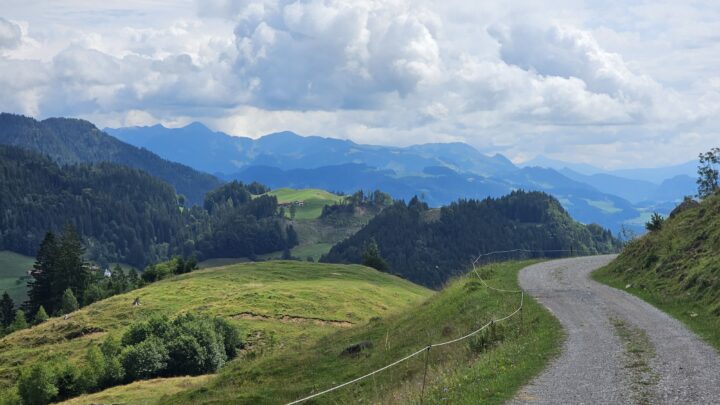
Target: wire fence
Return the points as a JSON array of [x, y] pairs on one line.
[[427, 348]]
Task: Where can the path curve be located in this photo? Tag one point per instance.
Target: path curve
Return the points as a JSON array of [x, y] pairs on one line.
[[594, 366]]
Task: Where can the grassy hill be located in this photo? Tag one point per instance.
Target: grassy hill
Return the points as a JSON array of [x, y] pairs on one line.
[[467, 372], [313, 200], [276, 304], [13, 267], [677, 268]]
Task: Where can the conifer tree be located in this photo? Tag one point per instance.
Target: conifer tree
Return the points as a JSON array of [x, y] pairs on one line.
[[7, 310], [71, 272], [40, 316], [69, 302], [19, 322], [39, 288]]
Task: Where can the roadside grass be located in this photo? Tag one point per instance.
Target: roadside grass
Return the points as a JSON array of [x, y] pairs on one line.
[[141, 392], [677, 268], [276, 304], [697, 316], [13, 273], [487, 369]]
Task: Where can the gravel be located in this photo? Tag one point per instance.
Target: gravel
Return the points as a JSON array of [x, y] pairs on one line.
[[593, 366]]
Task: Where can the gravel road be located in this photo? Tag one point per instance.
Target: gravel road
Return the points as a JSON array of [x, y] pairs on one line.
[[619, 349]]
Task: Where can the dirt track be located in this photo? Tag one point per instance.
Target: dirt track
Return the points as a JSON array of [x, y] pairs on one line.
[[619, 349]]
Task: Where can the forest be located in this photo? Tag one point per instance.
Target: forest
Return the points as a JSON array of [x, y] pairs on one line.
[[125, 215], [429, 247]]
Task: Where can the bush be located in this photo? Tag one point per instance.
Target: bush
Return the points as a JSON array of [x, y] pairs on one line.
[[656, 222], [93, 369], [68, 380], [144, 360], [36, 385]]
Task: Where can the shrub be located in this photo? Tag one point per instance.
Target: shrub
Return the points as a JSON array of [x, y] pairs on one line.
[[144, 360], [36, 385], [93, 368], [655, 223], [68, 380]]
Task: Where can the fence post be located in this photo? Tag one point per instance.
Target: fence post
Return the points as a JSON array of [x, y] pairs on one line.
[[427, 358]]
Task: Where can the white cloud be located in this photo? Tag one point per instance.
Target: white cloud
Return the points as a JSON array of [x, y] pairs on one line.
[[519, 78]]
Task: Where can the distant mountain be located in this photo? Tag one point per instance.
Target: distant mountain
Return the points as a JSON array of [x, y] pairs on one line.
[[653, 175], [440, 186], [68, 141], [429, 247], [216, 152], [634, 191]]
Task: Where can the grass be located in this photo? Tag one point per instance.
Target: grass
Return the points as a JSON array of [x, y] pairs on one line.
[[13, 271], [141, 392], [313, 201], [677, 268], [276, 304], [639, 353], [466, 372]]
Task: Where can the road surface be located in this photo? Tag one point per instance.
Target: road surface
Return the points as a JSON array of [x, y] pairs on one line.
[[619, 349]]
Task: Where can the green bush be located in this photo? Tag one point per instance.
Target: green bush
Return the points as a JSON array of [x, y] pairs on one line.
[[144, 360], [36, 385], [69, 303]]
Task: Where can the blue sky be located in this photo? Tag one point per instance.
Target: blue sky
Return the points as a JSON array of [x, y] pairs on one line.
[[617, 84]]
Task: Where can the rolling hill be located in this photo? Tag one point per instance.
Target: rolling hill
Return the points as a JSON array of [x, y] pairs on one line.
[[430, 246], [677, 268], [279, 306], [313, 201], [68, 141]]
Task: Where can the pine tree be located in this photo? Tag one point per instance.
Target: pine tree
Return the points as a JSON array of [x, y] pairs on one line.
[[7, 310], [118, 280], [69, 302], [133, 279], [40, 316], [71, 271], [19, 322], [39, 288], [371, 257]]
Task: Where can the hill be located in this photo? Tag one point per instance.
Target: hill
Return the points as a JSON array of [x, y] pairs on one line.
[[487, 369], [13, 270], [312, 201], [69, 141], [278, 306], [677, 268], [429, 247], [128, 216]]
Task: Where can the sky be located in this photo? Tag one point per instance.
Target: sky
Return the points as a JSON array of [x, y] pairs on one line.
[[615, 84]]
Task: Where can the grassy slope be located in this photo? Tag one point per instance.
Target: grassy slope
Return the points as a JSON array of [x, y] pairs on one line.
[[677, 268], [271, 289], [314, 200], [141, 392], [456, 375], [12, 267]]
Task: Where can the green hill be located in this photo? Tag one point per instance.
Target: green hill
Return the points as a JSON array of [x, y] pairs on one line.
[[677, 268], [13, 267], [278, 305], [313, 200]]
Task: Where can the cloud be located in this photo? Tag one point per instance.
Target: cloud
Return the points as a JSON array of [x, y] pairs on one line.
[[10, 34], [519, 78]]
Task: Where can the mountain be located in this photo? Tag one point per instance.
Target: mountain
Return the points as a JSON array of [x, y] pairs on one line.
[[216, 152], [653, 175], [429, 247], [125, 215], [69, 141], [440, 186], [634, 191]]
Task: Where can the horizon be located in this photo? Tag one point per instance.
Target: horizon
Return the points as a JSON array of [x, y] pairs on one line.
[[606, 85]]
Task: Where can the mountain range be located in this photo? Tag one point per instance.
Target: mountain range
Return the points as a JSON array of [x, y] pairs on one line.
[[439, 173]]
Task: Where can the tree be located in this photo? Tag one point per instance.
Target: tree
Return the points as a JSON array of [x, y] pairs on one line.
[[93, 369], [118, 280], [708, 172], [37, 384], [19, 323], [655, 223], [43, 272], [133, 279], [71, 271], [69, 303], [372, 258], [7, 310], [40, 316], [293, 210]]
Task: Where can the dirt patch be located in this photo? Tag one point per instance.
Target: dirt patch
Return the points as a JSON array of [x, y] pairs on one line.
[[293, 319]]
